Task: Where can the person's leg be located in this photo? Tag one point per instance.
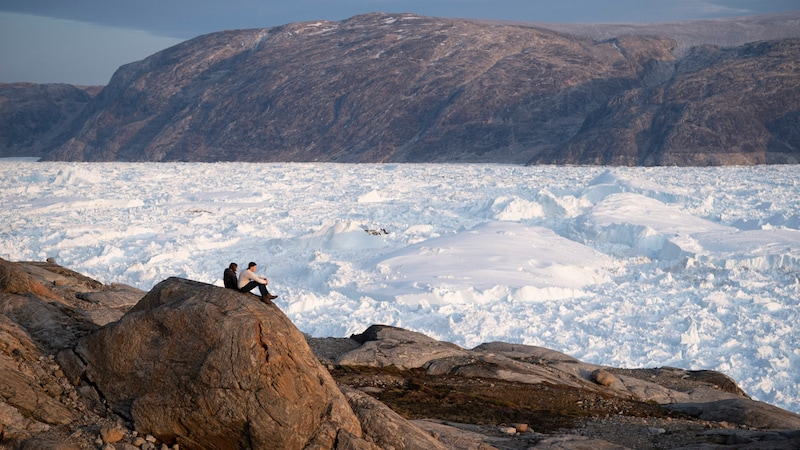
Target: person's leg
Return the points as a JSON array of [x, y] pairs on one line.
[[249, 286], [261, 288], [265, 295]]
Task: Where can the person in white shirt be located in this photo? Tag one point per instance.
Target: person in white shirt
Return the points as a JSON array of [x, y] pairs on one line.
[[249, 280]]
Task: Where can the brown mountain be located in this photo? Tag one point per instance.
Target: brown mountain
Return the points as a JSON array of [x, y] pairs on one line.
[[32, 114], [733, 106], [405, 88]]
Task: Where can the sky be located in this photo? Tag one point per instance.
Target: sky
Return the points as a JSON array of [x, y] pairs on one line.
[[84, 41], [630, 267]]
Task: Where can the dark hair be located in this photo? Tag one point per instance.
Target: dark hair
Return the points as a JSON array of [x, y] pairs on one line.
[[233, 266], [251, 264]]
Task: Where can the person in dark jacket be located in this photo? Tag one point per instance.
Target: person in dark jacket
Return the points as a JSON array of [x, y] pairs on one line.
[[229, 278]]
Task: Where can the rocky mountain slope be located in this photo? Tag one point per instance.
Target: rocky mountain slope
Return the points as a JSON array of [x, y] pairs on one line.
[[720, 107], [33, 114], [190, 365], [405, 88]]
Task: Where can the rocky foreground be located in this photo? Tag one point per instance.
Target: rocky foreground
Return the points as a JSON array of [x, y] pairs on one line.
[[191, 365]]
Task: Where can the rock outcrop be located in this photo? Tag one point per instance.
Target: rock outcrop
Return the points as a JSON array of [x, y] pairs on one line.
[[206, 367], [199, 366], [386, 428], [383, 346], [405, 88], [188, 364], [705, 395], [40, 317]]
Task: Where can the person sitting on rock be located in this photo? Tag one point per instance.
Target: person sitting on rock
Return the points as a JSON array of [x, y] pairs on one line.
[[229, 278], [248, 280]]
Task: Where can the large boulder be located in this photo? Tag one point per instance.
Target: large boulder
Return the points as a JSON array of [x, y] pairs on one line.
[[206, 367]]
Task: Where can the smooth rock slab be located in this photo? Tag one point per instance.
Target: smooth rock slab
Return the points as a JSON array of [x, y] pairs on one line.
[[207, 367], [386, 346]]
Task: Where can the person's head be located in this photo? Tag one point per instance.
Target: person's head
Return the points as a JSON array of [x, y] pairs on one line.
[[233, 266], [251, 266]]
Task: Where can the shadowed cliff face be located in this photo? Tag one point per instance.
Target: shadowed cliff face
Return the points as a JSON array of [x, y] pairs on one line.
[[32, 114], [732, 106], [405, 88]]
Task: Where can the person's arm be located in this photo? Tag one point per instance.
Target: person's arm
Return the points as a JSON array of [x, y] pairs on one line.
[[251, 276]]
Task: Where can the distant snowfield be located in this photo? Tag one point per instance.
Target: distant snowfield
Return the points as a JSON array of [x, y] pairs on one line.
[[631, 267]]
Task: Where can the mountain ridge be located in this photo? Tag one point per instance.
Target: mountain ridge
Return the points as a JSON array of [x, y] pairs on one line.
[[407, 88], [721, 32]]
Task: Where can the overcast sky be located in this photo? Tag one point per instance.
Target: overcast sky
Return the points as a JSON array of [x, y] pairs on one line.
[[85, 41]]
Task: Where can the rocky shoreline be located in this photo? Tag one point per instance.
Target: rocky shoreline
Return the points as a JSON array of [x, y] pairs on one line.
[[189, 365]]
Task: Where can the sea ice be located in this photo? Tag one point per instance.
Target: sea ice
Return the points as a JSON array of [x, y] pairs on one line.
[[633, 267]]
